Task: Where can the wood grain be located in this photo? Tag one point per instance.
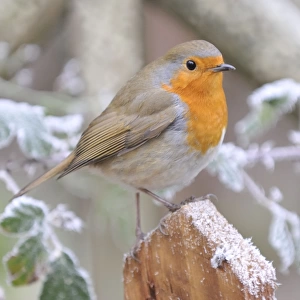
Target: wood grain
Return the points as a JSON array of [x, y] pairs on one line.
[[199, 256]]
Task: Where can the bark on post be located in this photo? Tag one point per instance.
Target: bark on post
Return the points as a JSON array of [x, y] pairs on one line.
[[200, 256]]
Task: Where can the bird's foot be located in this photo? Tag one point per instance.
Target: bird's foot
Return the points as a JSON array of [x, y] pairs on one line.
[[196, 199], [162, 226], [139, 238]]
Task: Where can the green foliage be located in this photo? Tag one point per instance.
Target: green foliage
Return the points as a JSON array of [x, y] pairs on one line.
[[20, 217], [27, 261], [35, 132], [39, 255], [228, 165], [66, 280], [267, 105]]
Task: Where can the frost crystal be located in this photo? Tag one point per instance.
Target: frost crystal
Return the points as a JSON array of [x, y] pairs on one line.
[[221, 254], [66, 280], [70, 80], [228, 165], [282, 241], [294, 137], [2, 295], [286, 89], [275, 194], [68, 124], [63, 218], [34, 131], [268, 103]]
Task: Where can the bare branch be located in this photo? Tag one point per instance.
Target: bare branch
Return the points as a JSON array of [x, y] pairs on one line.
[[289, 153], [275, 208], [255, 35], [54, 102], [2, 294], [10, 183]]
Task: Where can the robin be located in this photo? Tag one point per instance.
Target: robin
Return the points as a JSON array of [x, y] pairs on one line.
[[161, 129]]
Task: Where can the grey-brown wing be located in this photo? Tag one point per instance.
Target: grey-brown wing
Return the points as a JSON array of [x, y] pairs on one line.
[[116, 134]]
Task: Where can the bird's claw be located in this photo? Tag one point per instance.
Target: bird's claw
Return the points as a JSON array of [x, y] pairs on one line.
[[211, 197], [194, 199], [162, 226], [172, 207], [139, 237]]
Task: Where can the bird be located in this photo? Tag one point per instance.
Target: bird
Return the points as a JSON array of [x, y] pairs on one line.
[[162, 128]]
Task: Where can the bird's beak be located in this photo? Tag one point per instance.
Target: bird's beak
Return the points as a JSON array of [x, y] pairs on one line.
[[223, 67]]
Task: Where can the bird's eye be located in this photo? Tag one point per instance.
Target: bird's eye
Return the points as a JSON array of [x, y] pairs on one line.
[[191, 65]]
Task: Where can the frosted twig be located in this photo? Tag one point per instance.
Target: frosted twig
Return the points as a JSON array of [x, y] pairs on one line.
[[284, 233], [290, 153], [55, 244], [2, 295], [61, 217], [10, 183], [55, 102], [275, 208]]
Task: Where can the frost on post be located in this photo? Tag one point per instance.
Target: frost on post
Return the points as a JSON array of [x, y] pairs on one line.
[[268, 103]]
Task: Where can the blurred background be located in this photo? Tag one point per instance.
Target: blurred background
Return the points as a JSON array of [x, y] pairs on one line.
[[85, 50]]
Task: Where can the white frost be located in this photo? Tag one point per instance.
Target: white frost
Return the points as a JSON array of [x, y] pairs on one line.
[[2, 294], [228, 165], [287, 89], [34, 131], [63, 218], [67, 124], [252, 269], [221, 254]]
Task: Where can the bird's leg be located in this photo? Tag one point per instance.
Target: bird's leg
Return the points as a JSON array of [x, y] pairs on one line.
[[169, 205], [138, 231]]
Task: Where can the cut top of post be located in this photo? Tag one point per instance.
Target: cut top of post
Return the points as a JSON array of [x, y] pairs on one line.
[[201, 256]]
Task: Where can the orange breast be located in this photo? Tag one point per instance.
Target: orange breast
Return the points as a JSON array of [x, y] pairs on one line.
[[207, 110]]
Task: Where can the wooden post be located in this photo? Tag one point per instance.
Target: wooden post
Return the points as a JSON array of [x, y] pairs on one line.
[[198, 255]]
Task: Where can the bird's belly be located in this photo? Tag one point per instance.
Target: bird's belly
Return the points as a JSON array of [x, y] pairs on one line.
[[164, 163]]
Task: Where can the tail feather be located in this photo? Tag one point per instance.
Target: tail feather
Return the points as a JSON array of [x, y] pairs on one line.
[[49, 174]]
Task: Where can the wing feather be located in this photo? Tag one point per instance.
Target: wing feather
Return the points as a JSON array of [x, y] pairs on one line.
[[118, 133]]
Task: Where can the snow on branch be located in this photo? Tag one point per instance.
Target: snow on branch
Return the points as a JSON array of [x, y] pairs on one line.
[[38, 254], [267, 104], [35, 132]]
